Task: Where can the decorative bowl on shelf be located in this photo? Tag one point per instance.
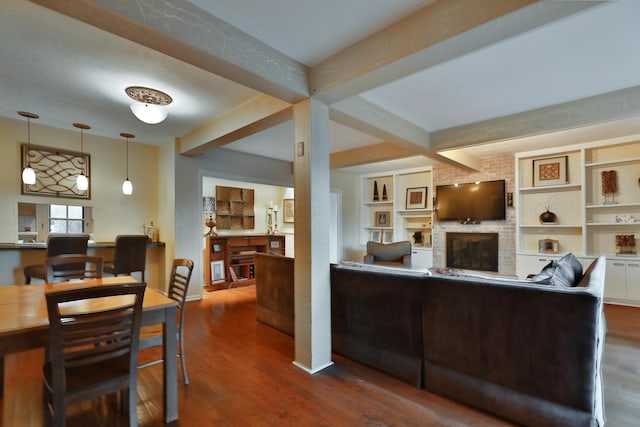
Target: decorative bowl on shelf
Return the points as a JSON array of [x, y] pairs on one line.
[[548, 217]]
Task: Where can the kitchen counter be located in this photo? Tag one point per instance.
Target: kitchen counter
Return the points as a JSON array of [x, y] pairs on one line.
[[92, 244]]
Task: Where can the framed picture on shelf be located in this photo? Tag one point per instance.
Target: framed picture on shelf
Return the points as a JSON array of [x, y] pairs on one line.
[[387, 236], [376, 236], [288, 211], [550, 171], [416, 198], [217, 271], [383, 219]]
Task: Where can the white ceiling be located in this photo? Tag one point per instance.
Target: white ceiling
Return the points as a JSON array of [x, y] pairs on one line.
[[68, 71]]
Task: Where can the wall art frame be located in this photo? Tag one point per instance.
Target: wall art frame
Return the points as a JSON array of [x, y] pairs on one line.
[[416, 198], [375, 236], [550, 171], [56, 171], [288, 211], [383, 219]]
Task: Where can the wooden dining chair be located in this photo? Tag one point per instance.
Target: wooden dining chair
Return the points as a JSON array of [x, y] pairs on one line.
[[151, 336], [57, 244], [130, 255], [93, 347], [71, 266]]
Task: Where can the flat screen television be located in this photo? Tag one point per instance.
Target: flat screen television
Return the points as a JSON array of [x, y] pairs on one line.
[[471, 202]]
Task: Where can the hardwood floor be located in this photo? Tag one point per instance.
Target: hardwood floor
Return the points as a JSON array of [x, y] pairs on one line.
[[241, 375]]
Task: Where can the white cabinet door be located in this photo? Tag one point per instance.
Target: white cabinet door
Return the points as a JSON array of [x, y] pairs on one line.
[[632, 277], [615, 280], [421, 258], [532, 264]]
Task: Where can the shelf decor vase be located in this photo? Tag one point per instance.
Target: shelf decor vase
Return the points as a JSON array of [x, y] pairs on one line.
[[548, 217], [376, 197]]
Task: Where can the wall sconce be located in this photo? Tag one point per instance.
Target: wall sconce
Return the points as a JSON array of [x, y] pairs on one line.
[[149, 105], [82, 182], [28, 174], [127, 187]]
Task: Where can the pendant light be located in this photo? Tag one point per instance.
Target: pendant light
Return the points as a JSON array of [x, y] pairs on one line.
[[82, 182], [28, 174], [127, 187]]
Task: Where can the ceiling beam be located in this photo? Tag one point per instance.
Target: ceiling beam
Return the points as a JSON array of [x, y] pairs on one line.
[[438, 33], [597, 109], [367, 117], [252, 116], [180, 29], [370, 154]]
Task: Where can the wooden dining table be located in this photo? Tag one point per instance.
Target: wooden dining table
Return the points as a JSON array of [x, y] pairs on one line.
[[24, 325]]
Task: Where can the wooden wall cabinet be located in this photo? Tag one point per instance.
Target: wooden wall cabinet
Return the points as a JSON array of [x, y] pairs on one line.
[[236, 255]]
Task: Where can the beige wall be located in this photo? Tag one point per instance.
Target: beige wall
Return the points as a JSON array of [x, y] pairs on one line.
[[114, 213]]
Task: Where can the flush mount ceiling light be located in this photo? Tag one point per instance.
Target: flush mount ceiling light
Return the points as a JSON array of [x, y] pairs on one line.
[[28, 174], [150, 105], [82, 181]]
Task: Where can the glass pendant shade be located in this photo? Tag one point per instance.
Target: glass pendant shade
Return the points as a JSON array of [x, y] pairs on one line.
[[82, 182], [29, 176], [148, 113], [127, 187]]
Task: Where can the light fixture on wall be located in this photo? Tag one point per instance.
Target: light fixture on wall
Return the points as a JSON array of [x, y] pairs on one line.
[[150, 104], [28, 174], [82, 182], [127, 187]]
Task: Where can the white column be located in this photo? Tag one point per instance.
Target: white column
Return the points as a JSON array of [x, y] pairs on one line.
[[312, 290]]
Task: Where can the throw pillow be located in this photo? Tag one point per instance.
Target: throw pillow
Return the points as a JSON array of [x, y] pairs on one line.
[[567, 272]]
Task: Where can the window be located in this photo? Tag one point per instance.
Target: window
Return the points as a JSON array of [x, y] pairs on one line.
[[66, 219]]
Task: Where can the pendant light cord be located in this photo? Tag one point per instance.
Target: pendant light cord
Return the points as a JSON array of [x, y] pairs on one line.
[[127, 158]]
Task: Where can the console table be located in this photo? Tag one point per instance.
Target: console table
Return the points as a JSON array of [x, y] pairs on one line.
[[229, 259]]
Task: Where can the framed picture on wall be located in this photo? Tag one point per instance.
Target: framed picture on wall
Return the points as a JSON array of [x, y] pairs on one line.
[[387, 236], [376, 236], [550, 171], [416, 198], [288, 211]]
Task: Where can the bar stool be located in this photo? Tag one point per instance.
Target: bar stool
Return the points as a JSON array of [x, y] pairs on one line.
[[58, 244], [130, 255]]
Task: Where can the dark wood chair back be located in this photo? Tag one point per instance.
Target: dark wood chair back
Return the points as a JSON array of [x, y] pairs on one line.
[[58, 244], [130, 255], [151, 336], [71, 266], [93, 346]]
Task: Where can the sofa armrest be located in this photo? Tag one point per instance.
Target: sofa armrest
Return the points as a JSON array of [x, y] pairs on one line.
[[368, 259], [406, 260]]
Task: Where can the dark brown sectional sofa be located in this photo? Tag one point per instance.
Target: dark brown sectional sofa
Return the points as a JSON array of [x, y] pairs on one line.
[[527, 351]]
